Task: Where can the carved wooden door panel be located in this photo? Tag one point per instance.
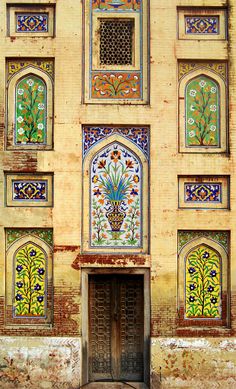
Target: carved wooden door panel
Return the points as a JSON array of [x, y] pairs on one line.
[[116, 324]]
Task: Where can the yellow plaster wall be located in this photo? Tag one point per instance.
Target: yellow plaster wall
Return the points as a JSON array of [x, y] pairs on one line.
[[165, 164]]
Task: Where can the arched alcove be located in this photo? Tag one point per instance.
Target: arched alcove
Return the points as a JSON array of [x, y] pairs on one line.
[[203, 283], [202, 112], [30, 109], [115, 200]]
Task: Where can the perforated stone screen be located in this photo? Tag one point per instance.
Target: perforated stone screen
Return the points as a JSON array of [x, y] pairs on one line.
[[116, 42]]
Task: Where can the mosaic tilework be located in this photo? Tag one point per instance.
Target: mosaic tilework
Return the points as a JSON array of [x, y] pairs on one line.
[[137, 135], [217, 67], [201, 24], [114, 5], [115, 198], [30, 286], [25, 190], [35, 22], [206, 192], [14, 66], [116, 85], [16, 233], [31, 114], [202, 112], [220, 237], [203, 283]]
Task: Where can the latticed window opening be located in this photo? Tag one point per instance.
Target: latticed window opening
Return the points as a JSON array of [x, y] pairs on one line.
[[116, 37]]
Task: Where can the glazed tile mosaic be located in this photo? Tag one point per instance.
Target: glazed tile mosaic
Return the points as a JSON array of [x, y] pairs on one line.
[[30, 286], [25, 190], [202, 112], [115, 5], [138, 135], [31, 111], [116, 85], [203, 283], [202, 24], [205, 192], [217, 67], [16, 233], [35, 22], [115, 198], [220, 237], [14, 66]]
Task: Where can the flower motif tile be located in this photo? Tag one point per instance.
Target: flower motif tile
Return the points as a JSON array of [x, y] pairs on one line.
[[29, 190], [116, 5], [206, 192], [116, 85]]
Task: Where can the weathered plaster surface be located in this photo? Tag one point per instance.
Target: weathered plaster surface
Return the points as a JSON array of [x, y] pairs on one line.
[[193, 363], [39, 363]]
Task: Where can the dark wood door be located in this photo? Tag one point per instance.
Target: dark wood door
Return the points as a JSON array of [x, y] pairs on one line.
[[116, 318]]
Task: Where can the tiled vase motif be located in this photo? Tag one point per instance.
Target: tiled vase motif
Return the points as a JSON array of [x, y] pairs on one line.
[[31, 114], [206, 192], [203, 283], [25, 190], [202, 25], [114, 5], [202, 112], [35, 22], [30, 281], [115, 198]]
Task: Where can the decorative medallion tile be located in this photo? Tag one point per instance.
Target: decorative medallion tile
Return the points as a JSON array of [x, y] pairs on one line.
[[138, 135], [35, 22], [31, 190], [204, 192], [202, 24]]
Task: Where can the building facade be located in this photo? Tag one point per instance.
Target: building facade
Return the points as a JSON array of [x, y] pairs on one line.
[[117, 194]]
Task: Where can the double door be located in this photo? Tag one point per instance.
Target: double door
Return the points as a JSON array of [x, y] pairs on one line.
[[116, 327]]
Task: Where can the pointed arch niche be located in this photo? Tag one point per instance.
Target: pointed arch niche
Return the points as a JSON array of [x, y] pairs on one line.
[[202, 111], [203, 293], [28, 280], [115, 197], [30, 109]]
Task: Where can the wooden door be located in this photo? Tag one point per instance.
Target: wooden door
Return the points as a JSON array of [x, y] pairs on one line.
[[116, 327]]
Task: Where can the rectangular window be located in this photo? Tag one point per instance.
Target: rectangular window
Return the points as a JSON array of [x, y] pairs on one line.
[[116, 42]]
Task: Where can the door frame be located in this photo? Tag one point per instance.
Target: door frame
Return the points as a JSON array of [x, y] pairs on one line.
[[85, 272]]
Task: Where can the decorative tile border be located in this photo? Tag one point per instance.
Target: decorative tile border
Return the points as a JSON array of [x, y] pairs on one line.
[[202, 23], [15, 65], [137, 135], [219, 68], [117, 5], [221, 237], [31, 22], [204, 192], [33, 190], [12, 234]]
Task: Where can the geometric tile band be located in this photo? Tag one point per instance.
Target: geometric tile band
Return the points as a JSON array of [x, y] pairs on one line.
[[202, 25], [35, 22]]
